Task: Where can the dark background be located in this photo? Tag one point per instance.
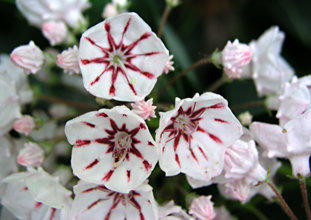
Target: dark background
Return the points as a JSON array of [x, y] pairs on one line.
[[194, 30]]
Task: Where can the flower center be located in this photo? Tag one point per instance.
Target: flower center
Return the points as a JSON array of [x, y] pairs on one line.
[[184, 123], [116, 59], [123, 142]]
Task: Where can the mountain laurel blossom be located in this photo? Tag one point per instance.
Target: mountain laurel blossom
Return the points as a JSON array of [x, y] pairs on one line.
[[170, 211], [112, 147], [117, 58], [68, 60], [24, 125], [169, 65], [31, 155], [202, 208], [144, 109], [55, 31], [194, 135]]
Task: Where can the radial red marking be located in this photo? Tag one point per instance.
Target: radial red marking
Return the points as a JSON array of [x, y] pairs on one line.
[[89, 124], [96, 161], [177, 159], [220, 120], [150, 143], [80, 143], [25, 188], [136, 152], [218, 105], [142, 126], [108, 175], [204, 155], [89, 190], [215, 138], [102, 114], [94, 203], [116, 201], [192, 154], [38, 205], [128, 173], [52, 213], [147, 165]]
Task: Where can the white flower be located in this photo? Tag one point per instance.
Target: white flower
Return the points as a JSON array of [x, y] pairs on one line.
[[69, 61], [18, 76], [144, 109], [7, 158], [193, 137], [202, 208], [235, 56], [170, 211], [270, 71], [30, 155], [97, 202], [292, 141], [55, 31], [295, 99], [112, 147], [118, 57], [29, 57], [38, 12], [110, 10]]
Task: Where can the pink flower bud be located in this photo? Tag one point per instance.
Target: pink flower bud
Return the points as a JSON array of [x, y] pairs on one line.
[[68, 60], [29, 57], [238, 190], [169, 65], [55, 31], [31, 155], [235, 56], [24, 125], [110, 10], [202, 208], [144, 109]]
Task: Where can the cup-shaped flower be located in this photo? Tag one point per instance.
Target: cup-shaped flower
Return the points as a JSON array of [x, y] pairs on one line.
[[24, 125], [193, 137], [144, 109], [68, 60], [31, 155], [241, 162], [112, 147], [55, 31], [202, 208], [118, 57], [235, 56], [97, 202], [292, 141], [29, 57]]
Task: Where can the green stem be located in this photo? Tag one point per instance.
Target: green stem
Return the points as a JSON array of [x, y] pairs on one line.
[[163, 19]]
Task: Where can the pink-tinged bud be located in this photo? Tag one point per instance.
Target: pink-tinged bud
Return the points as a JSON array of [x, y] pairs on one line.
[[238, 190], [202, 208], [169, 65], [29, 57], [31, 155], [144, 109], [110, 10], [55, 31], [235, 57], [24, 125], [68, 60]]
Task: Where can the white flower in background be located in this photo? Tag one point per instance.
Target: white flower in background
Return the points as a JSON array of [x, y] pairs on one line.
[[170, 211], [112, 147], [29, 57], [193, 137], [9, 103], [17, 75], [38, 12], [235, 56], [118, 57], [144, 109], [55, 31], [169, 65], [295, 99], [202, 208], [292, 141], [69, 61], [241, 162], [269, 69], [31, 155], [97, 202], [42, 186], [245, 118], [110, 10], [24, 125], [60, 110]]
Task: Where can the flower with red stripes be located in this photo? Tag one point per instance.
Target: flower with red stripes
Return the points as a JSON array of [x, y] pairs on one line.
[[112, 147], [121, 58]]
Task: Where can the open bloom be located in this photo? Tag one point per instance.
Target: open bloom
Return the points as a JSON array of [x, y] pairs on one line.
[[193, 137], [30, 155], [170, 211], [55, 31], [69, 61], [144, 109], [292, 141], [97, 202], [112, 147], [269, 70], [235, 57], [202, 208], [118, 57], [24, 125], [38, 12], [29, 57]]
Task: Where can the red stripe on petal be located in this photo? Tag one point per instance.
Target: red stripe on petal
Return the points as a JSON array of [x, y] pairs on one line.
[[204, 155], [108, 175], [80, 143], [193, 155], [128, 174], [96, 161], [94, 203], [177, 159], [89, 124], [218, 105], [215, 138], [147, 165], [102, 114], [136, 152], [220, 120], [150, 143], [52, 213]]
